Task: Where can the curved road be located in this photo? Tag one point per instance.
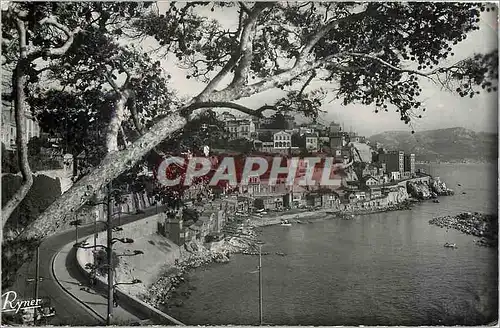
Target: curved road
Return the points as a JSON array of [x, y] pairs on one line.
[[69, 311]]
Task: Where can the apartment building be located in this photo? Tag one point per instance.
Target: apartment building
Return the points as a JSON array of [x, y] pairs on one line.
[[394, 161], [9, 131]]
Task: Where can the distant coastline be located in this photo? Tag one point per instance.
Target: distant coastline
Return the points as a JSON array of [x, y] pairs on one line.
[[457, 161]]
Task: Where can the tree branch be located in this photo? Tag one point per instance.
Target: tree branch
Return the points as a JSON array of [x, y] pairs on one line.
[[389, 65], [226, 104], [307, 82], [19, 81], [245, 8], [124, 137], [233, 93], [60, 211], [231, 63], [322, 32], [138, 126], [246, 43], [220, 76], [116, 120], [127, 80], [53, 52], [110, 80]]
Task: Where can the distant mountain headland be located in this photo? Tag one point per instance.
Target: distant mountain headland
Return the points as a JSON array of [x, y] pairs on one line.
[[442, 145]]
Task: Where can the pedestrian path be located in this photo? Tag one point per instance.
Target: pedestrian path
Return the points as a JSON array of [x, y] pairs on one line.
[[72, 281]]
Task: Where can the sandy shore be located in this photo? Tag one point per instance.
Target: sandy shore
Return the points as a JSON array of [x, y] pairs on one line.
[[318, 215], [267, 221]]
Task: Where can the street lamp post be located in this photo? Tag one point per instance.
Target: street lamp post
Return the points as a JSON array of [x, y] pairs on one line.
[[76, 230], [37, 280], [108, 247], [95, 233], [76, 223], [260, 285], [109, 252]]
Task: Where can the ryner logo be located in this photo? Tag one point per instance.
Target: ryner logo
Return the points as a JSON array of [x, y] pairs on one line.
[[11, 304]]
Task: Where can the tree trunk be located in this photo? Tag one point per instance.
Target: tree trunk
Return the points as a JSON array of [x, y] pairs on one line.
[[111, 167], [115, 123], [19, 81]]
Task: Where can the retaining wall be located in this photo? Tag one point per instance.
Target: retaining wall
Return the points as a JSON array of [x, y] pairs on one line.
[[134, 230]]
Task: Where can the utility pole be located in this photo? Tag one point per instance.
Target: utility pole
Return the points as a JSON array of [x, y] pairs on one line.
[[260, 284], [95, 233], [76, 228], [109, 251], [37, 280]]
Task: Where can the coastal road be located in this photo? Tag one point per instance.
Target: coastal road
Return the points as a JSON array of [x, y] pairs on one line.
[[69, 311]]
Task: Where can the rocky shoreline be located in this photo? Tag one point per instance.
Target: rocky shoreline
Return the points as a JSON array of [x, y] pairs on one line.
[[241, 237], [484, 226], [173, 282]]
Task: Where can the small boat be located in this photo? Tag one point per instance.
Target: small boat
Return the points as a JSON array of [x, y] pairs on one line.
[[459, 185], [280, 253], [463, 192], [435, 201], [449, 245], [286, 223]]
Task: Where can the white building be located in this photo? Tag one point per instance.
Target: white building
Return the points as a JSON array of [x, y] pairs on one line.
[[9, 131], [371, 181], [240, 128], [267, 146], [311, 141], [282, 140], [396, 175], [305, 129]]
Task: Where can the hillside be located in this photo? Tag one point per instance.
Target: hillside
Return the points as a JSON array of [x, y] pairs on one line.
[[453, 144]]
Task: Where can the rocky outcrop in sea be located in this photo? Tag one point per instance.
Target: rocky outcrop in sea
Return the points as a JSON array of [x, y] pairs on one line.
[[419, 190], [439, 187], [480, 225]]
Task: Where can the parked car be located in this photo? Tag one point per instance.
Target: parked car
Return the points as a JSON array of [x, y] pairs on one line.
[[43, 315]]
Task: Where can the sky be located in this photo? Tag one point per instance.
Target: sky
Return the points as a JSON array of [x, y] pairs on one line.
[[444, 109]]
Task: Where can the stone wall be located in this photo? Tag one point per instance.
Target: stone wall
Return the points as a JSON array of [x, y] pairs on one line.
[[144, 268], [63, 176], [141, 228]]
